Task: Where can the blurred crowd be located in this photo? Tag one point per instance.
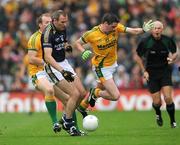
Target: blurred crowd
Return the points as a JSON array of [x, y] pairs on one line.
[[18, 22]]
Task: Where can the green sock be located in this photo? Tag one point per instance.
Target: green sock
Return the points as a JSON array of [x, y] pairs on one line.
[[75, 120], [51, 107]]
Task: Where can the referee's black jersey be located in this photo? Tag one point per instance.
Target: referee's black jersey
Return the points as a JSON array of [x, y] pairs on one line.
[[155, 52], [52, 38]]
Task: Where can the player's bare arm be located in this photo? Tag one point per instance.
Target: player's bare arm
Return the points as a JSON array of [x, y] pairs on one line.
[[79, 45], [134, 31], [141, 64], [146, 27], [172, 58]]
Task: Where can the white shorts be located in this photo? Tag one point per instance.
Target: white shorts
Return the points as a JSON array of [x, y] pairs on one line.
[[41, 74], [105, 73], [55, 75]]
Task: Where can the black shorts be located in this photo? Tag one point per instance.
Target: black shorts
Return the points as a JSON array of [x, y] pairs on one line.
[[158, 79]]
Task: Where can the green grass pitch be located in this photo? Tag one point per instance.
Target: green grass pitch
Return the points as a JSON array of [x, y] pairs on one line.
[[115, 128]]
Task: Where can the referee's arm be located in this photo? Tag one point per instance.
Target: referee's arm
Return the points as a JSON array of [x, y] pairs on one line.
[[172, 57]]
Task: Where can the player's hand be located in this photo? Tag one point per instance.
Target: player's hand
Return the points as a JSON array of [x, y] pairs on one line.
[[148, 26], [69, 76], [68, 49], [170, 60], [146, 75], [86, 54]]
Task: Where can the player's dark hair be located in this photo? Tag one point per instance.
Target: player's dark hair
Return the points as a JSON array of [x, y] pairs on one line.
[[55, 15], [110, 18], [39, 19]]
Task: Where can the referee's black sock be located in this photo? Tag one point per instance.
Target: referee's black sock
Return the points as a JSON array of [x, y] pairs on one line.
[[171, 111], [157, 109]]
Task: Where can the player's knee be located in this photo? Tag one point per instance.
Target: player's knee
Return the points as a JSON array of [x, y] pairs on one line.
[[83, 94], [50, 91], [64, 101], [168, 100], [76, 94], [116, 96]]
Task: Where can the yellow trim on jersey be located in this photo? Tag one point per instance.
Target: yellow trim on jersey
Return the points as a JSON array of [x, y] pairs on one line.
[[34, 39], [104, 45], [46, 34]]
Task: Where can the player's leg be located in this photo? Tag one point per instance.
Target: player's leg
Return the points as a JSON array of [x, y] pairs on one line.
[[105, 77], [166, 83], [32, 90], [63, 97], [82, 103], [67, 119], [170, 107], [157, 105], [71, 91], [154, 89], [111, 91], [85, 102], [106, 87], [77, 83], [47, 88]]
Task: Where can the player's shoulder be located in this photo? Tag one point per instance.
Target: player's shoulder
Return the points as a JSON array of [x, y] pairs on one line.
[[34, 35], [165, 37], [120, 26], [145, 37], [48, 29], [91, 31]]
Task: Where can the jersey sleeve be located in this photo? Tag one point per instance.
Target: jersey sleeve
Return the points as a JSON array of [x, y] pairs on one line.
[[32, 43], [173, 47], [46, 39], [86, 37], [140, 49], [121, 28]]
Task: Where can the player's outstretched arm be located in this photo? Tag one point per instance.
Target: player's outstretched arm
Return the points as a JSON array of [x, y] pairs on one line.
[[146, 27]]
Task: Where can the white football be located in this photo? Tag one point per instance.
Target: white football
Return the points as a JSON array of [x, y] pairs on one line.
[[90, 123]]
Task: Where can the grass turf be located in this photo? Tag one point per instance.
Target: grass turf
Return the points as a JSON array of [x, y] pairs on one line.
[[115, 128]]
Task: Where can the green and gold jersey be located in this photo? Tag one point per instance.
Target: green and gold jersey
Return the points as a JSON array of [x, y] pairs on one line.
[[34, 44], [104, 45]]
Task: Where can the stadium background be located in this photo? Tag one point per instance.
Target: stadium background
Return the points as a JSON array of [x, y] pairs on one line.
[[17, 23]]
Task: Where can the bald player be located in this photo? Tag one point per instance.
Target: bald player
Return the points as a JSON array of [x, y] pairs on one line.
[[155, 54]]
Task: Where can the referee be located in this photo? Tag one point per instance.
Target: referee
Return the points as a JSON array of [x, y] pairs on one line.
[[155, 54]]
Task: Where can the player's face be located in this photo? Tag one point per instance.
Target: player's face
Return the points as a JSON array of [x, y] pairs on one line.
[[45, 21], [111, 27], [157, 31], [61, 23]]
